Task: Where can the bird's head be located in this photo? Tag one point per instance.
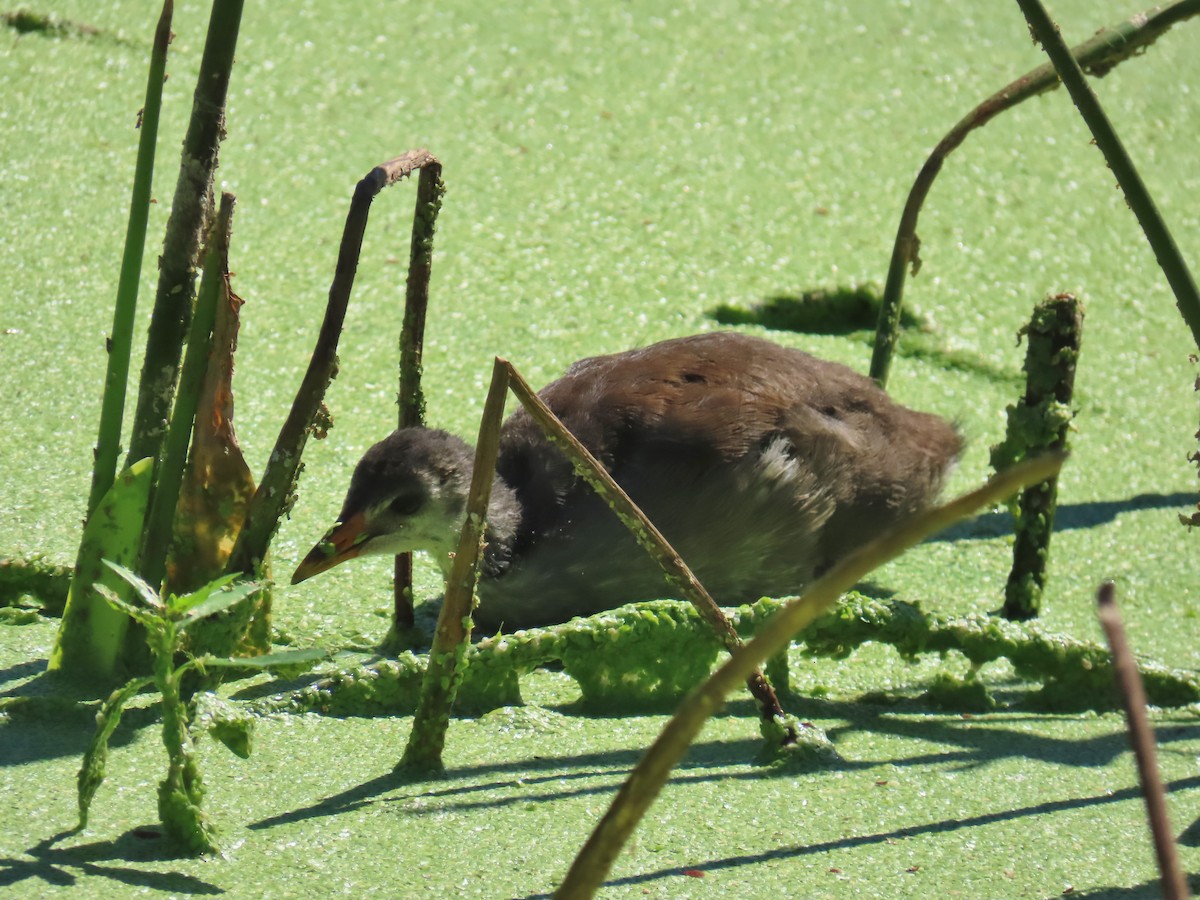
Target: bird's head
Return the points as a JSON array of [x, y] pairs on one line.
[[408, 492]]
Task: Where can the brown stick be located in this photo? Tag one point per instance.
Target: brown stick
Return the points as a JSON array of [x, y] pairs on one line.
[[411, 400], [1141, 736], [423, 753], [275, 492]]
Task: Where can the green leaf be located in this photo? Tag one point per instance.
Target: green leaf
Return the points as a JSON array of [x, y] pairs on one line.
[[230, 724], [119, 603], [220, 601], [91, 771], [266, 661], [237, 735], [148, 594], [198, 596], [89, 640]]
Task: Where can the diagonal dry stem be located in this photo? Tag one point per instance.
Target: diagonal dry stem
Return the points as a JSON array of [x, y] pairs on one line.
[[594, 861], [1141, 736], [276, 489]]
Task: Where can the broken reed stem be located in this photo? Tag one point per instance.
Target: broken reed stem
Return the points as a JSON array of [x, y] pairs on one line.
[[444, 672], [1141, 736], [276, 490], [592, 865], [112, 409], [652, 541], [1099, 55], [164, 495], [1170, 260], [411, 400], [190, 209], [1039, 421]]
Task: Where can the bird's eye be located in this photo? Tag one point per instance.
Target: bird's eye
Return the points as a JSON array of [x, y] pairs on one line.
[[405, 504]]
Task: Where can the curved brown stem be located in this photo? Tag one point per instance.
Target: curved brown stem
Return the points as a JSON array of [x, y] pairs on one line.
[[275, 492], [1098, 56]]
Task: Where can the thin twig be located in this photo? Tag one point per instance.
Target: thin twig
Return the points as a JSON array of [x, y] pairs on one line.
[[652, 541], [594, 861], [444, 673], [411, 400], [1141, 736], [1187, 298], [1098, 56], [275, 492]]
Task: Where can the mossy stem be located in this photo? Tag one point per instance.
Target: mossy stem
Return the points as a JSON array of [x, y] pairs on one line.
[[447, 656], [1040, 421]]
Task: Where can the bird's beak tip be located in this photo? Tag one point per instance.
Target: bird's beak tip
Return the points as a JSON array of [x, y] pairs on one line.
[[345, 540]]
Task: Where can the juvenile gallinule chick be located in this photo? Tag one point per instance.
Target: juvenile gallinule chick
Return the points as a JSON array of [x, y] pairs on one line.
[[762, 465]]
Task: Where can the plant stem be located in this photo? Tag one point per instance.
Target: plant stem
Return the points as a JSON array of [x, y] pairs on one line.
[[594, 861], [112, 409], [182, 791], [214, 289], [276, 491], [1099, 55], [1141, 736], [190, 207], [1136, 195], [411, 400], [1039, 421], [447, 656]]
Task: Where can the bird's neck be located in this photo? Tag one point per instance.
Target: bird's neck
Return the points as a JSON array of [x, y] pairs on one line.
[[500, 532]]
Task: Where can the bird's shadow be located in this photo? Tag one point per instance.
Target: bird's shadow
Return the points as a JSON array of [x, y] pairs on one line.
[[853, 312], [830, 311]]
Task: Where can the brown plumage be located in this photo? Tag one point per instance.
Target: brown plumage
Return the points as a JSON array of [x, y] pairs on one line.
[[761, 464]]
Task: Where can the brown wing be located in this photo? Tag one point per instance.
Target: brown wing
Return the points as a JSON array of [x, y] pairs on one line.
[[725, 396]]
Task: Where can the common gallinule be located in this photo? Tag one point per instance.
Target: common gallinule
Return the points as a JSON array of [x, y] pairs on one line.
[[762, 465]]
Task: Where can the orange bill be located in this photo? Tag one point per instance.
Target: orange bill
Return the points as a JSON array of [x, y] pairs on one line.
[[345, 540]]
